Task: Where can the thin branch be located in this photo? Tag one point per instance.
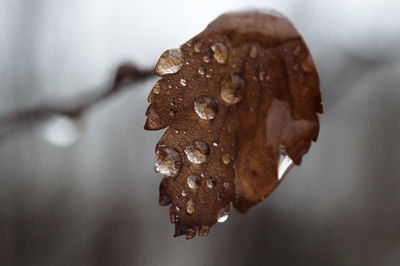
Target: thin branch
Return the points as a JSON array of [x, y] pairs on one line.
[[20, 120]]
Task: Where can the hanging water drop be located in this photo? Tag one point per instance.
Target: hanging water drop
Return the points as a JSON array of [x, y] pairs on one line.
[[223, 215], [168, 161], [232, 89], [170, 62], [285, 163], [61, 131], [205, 107], [197, 152], [220, 52]]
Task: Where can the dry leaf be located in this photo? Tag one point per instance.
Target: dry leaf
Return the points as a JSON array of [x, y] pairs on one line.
[[233, 98]]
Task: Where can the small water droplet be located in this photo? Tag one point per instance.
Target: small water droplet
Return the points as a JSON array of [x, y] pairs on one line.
[[168, 161], [202, 175], [208, 76], [226, 185], [183, 82], [177, 208], [193, 182], [174, 218], [190, 206], [215, 143], [223, 215], [204, 230], [176, 131], [232, 89], [220, 52], [206, 59], [253, 51], [205, 107], [211, 182], [61, 131], [184, 193], [201, 71], [220, 196], [226, 158], [285, 163], [170, 62], [197, 47], [197, 152]]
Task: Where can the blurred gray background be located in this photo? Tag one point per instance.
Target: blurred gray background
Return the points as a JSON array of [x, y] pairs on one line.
[[88, 195]]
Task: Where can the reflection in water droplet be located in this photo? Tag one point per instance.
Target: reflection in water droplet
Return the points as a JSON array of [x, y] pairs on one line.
[[220, 52], [183, 82], [232, 89], [170, 62], [168, 161], [253, 51], [190, 206], [204, 230], [197, 152], [61, 131], [223, 215], [285, 164], [201, 71], [215, 143], [205, 107], [226, 159], [211, 182], [193, 182]]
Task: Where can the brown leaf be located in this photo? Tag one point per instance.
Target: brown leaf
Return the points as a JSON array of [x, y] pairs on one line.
[[233, 98]]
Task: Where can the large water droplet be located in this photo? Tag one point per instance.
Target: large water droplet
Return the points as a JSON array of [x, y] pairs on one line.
[[205, 107], [211, 182], [204, 230], [61, 131], [285, 164], [190, 206], [223, 215], [193, 182], [168, 161], [220, 52], [170, 62], [197, 152], [232, 89]]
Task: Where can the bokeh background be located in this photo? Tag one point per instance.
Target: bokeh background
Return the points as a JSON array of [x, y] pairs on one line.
[[86, 193]]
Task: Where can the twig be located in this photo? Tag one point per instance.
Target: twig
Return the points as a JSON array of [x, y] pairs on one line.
[[17, 121]]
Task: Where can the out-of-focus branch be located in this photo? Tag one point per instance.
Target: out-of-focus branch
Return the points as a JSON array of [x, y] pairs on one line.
[[11, 123]]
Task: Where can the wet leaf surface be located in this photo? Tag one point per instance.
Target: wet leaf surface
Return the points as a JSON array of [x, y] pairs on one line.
[[233, 99]]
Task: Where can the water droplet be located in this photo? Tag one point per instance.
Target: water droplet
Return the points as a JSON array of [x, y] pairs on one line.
[[197, 152], [201, 71], [197, 47], [168, 161], [232, 89], [208, 76], [215, 143], [193, 182], [177, 208], [204, 230], [183, 82], [190, 206], [211, 182], [206, 59], [220, 196], [285, 163], [170, 62], [174, 218], [220, 52], [184, 193], [202, 175], [226, 158], [223, 215], [61, 131], [205, 107], [253, 51], [226, 185]]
